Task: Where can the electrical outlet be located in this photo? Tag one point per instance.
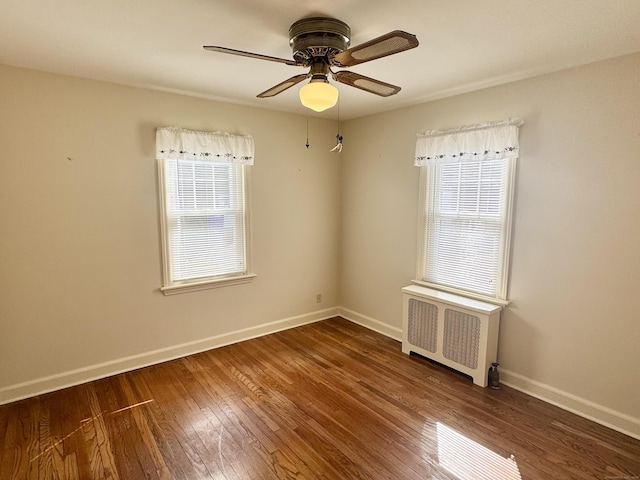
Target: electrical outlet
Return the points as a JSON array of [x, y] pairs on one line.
[[318, 297]]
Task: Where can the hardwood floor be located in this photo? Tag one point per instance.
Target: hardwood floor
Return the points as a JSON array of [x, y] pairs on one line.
[[330, 400]]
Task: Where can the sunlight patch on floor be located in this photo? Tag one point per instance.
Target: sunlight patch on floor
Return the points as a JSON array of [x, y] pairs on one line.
[[467, 459]]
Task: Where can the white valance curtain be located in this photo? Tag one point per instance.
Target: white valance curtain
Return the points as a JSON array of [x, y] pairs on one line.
[[486, 141], [179, 144]]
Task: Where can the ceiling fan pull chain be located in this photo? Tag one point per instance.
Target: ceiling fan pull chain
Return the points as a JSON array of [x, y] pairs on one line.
[[307, 144], [338, 147]]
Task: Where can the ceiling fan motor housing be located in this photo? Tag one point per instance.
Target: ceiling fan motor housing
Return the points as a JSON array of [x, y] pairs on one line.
[[318, 37]]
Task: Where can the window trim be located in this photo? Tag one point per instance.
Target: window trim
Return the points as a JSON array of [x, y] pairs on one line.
[[501, 297], [207, 284], [184, 286]]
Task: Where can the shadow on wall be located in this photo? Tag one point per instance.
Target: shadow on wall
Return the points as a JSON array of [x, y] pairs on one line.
[[518, 343]]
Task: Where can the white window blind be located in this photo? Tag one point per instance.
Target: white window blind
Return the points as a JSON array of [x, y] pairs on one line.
[[463, 225], [204, 210], [468, 176], [205, 218]]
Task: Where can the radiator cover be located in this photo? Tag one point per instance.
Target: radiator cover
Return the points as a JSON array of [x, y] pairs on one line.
[[455, 331]]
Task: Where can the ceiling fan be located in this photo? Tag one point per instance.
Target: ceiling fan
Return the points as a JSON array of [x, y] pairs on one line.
[[320, 43]]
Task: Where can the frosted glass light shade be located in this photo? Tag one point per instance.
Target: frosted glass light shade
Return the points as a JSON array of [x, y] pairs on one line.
[[318, 96]]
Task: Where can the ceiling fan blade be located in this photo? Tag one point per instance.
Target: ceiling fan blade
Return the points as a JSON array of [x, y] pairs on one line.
[[367, 84], [242, 53], [281, 87], [393, 42]]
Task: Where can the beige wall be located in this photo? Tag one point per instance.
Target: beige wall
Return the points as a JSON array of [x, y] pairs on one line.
[[571, 333], [80, 251]]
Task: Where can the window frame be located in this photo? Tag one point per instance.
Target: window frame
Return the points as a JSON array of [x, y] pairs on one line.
[[171, 287], [427, 172]]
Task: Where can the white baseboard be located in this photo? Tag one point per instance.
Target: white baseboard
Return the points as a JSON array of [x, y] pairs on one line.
[[58, 381], [371, 323], [598, 413]]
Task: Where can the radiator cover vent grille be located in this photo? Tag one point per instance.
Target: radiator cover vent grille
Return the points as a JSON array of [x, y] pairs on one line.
[[461, 338], [423, 324]]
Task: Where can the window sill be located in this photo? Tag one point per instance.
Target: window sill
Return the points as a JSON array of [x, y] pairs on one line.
[[462, 293], [194, 287]]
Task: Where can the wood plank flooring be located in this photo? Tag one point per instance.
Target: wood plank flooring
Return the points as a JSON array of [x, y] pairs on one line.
[[330, 400]]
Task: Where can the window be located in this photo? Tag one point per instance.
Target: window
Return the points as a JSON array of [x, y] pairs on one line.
[[466, 202], [203, 194]]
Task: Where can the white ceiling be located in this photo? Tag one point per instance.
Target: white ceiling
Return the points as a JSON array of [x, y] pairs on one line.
[[464, 44]]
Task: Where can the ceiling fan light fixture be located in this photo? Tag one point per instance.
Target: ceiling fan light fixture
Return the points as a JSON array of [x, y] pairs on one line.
[[318, 95]]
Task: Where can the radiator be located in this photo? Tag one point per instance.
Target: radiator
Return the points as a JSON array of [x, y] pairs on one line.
[[455, 331]]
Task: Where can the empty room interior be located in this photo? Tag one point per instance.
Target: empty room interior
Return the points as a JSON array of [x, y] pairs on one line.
[[200, 280]]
